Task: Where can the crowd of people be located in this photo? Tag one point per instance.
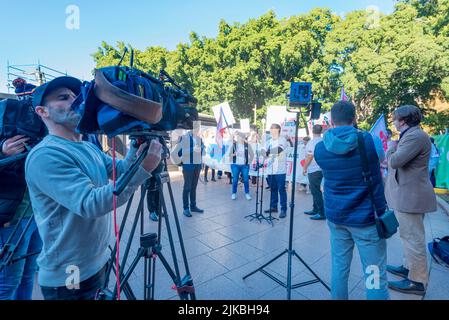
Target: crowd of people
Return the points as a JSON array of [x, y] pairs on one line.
[[68, 193]]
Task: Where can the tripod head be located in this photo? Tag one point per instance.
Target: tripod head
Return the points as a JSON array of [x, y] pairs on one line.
[[139, 138]]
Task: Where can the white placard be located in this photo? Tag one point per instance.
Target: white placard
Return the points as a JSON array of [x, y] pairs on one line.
[[279, 115], [244, 126], [227, 113]]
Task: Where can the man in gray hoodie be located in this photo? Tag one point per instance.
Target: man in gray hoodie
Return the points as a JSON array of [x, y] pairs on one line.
[[72, 197]]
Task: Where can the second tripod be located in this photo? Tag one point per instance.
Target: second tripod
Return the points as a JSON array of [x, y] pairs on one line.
[[150, 245], [258, 215]]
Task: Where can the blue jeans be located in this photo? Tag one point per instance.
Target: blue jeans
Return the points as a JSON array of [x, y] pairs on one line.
[[373, 255], [236, 169], [277, 185], [16, 280]]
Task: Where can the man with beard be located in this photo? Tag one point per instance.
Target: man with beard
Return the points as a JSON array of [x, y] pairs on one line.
[[72, 196]]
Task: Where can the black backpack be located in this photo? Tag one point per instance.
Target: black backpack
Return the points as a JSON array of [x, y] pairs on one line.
[[439, 249]]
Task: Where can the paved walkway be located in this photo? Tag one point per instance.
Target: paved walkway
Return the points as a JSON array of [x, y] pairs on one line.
[[222, 246]]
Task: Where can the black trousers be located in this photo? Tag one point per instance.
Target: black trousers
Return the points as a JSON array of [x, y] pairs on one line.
[[433, 179], [190, 183], [87, 289], [315, 179], [206, 170]]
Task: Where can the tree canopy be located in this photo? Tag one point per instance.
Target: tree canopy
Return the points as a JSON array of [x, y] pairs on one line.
[[383, 61]]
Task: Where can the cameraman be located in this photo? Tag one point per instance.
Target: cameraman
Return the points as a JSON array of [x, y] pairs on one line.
[[72, 196], [17, 279]]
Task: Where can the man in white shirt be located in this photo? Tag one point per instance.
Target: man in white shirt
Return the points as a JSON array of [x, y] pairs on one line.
[[276, 154], [315, 175]]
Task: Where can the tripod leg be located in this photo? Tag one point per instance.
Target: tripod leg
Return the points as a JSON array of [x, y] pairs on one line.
[[170, 236], [126, 289], [178, 228], [178, 284], [133, 230], [311, 271], [122, 227], [124, 278], [266, 264], [148, 278]]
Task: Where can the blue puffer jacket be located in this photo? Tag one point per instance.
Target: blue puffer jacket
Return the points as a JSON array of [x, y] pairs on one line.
[[346, 197]]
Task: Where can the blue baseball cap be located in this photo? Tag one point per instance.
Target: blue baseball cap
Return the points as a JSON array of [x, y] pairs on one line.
[[61, 82]]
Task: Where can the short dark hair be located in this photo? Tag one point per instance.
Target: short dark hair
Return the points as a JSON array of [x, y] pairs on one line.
[[317, 129], [277, 126], [410, 114], [343, 113]]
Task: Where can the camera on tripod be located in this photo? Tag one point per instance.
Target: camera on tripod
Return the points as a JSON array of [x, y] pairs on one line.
[[123, 100]]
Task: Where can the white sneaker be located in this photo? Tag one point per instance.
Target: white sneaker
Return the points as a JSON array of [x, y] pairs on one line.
[[234, 196], [248, 196]]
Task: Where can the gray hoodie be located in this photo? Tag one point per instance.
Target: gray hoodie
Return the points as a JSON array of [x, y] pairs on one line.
[[72, 197]]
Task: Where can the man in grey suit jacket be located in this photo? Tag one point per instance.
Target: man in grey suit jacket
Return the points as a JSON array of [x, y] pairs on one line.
[[409, 192]]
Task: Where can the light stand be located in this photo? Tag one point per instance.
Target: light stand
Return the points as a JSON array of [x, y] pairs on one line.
[[290, 251], [258, 215]]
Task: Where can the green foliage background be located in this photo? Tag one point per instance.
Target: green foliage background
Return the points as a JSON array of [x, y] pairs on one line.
[[383, 61]]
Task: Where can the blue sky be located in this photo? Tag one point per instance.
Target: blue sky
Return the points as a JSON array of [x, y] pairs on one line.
[[36, 30]]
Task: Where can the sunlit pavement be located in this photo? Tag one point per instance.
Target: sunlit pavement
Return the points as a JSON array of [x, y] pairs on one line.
[[222, 247]]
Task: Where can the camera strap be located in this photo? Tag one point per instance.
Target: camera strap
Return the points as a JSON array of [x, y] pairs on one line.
[[366, 172]]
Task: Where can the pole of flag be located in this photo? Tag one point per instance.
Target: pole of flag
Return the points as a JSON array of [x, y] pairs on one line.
[[343, 96]]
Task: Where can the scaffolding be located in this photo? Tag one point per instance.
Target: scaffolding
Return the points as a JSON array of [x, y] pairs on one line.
[[36, 74]]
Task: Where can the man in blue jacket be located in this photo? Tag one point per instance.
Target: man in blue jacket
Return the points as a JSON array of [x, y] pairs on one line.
[[348, 206]]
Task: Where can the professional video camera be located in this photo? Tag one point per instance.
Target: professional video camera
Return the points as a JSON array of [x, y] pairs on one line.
[[17, 117], [122, 100]]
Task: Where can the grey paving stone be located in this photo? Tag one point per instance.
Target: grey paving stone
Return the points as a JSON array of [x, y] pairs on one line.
[[267, 241], [195, 248], [280, 293], [247, 251], [204, 268], [257, 284], [214, 239], [228, 258], [438, 287], [205, 226], [222, 288]]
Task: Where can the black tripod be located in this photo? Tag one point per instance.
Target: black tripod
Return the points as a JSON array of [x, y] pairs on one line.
[[258, 215], [290, 251], [9, 249], [150, 243]]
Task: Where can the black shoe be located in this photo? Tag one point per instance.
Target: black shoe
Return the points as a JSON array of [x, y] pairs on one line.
[[272, 210], [283, 214], [318, 216], [205, 180], [408, 286], [153, 216], [310, 213], [398, 271], [213, 179], [187, 213], [196, 210]]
